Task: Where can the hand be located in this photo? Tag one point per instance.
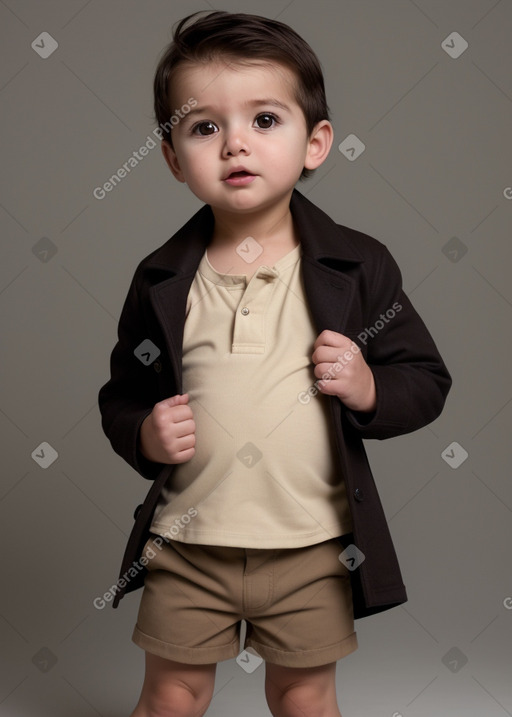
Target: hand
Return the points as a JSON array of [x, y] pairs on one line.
[[167, 434], [343, 371]]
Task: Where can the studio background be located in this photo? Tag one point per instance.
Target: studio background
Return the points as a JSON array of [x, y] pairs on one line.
[[434, 183]]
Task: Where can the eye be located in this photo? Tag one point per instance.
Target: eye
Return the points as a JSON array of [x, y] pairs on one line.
[[204, 129], [266, 120]]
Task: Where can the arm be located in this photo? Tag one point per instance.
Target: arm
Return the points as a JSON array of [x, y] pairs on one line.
[[129, 395], [409, 381]]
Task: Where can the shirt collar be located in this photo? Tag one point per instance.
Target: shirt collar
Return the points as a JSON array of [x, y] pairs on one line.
[[322, 240]]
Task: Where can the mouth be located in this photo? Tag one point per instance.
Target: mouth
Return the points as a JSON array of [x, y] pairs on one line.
[[239, 176]]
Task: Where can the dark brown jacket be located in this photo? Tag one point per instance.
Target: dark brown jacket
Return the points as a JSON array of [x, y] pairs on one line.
[[350, 280]]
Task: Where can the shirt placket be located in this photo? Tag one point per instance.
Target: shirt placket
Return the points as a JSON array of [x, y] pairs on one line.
[[249, 324]]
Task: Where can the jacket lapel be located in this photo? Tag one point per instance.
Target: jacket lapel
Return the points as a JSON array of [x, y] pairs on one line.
[[178, 258], [328, 255]]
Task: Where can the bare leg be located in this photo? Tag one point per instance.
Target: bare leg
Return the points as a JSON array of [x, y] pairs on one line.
[[302, 691], [175, 689]]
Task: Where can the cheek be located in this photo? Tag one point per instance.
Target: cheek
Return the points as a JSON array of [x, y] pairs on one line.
[[193, 163], [287, 148], [201, 156], [200, 170]]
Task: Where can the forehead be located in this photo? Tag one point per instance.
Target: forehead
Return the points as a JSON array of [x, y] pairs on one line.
[[221, 79]]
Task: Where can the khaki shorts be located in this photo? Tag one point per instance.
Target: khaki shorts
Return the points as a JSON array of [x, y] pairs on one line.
[[297, 603]]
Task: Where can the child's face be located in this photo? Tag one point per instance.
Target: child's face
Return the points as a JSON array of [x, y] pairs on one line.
[[244, 117]]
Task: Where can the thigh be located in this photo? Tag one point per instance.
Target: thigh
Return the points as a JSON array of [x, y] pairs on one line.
[[280, 679]]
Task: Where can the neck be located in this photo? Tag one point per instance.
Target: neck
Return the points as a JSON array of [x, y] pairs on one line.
[[267, 226]]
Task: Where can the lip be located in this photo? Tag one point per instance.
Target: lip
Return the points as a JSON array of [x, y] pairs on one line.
[[237, 181]]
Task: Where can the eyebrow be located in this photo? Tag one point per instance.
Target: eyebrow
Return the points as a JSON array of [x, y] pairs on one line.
[[268, 101]]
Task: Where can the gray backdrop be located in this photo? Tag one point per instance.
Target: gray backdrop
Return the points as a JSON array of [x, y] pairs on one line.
[[433, 183]]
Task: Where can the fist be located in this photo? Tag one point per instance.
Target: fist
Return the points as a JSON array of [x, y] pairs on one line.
[[168, 433], [343, 372]]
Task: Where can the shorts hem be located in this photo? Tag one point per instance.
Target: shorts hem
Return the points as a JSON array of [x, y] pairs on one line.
[[188, 655], [306, 658]]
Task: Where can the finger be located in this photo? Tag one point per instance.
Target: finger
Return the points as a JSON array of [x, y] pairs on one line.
[[163, 415], [185, 428], [328, 388], [330, 338], [184, 456], [325, 354], [184, 449], [325, 371], [177, 400], [180, 414], [185, 442]]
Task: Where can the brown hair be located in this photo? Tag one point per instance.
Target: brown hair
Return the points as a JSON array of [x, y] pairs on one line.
[[244, 39]]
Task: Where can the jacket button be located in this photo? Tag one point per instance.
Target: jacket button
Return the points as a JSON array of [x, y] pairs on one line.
[[157, 366], [358, 494], [137, 511]]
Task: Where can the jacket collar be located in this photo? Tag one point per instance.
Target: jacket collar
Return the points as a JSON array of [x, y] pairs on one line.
[[322, 240]]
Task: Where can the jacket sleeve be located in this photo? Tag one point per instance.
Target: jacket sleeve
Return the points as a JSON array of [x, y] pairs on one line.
[[132, 390], [411, 379]]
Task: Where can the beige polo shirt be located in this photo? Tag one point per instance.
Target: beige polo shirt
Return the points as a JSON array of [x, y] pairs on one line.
[[265, 473]]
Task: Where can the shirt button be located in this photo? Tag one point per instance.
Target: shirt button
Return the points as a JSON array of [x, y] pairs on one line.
[[358, 495], [244, 311]]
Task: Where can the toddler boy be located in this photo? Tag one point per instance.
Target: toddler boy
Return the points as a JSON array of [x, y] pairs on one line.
[[257, 348]]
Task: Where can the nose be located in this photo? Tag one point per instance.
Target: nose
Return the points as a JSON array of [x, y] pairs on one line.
[[235, 141]]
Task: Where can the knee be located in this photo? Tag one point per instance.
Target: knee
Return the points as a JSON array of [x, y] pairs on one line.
[[299, 700], [176, 700]]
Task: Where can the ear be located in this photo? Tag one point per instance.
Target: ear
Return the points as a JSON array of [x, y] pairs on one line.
[[319, 144], [172, 160]]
